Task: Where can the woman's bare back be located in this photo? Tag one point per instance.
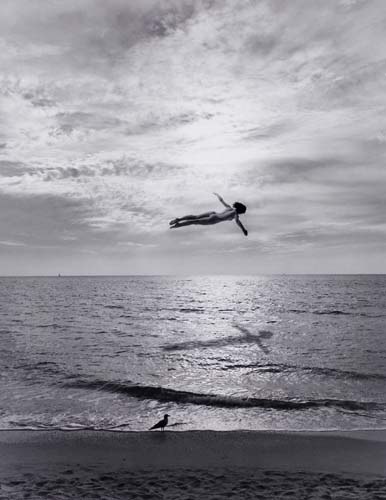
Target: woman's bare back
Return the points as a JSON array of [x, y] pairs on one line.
[[227, 214]]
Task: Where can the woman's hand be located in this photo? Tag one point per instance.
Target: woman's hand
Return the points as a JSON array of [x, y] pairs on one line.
[[222, 201]]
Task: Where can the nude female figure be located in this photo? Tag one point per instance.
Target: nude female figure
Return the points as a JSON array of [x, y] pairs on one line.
[[209, 218]]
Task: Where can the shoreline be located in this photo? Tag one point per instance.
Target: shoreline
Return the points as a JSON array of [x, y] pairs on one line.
[[346, 452], [192, 464], [364, 434]]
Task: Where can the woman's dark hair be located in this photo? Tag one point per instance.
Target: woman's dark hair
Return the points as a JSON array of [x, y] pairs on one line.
[[240, 208]]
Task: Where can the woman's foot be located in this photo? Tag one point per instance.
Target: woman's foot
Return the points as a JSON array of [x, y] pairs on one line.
[[174, 221]]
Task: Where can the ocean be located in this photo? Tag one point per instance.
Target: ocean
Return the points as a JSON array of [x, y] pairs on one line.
[[214, 352]]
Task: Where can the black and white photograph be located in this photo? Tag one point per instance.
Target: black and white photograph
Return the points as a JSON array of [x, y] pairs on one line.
[[193, 249]]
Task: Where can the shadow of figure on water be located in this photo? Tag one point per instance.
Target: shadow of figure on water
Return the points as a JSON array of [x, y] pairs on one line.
[[246, 338]]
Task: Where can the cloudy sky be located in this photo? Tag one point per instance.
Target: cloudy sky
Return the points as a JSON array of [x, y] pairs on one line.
[[118, 115]]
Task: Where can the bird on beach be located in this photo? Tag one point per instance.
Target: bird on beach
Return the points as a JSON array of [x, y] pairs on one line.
[[161, 424]]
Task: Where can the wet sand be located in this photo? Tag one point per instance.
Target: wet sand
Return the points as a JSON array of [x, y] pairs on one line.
[[192, 465]]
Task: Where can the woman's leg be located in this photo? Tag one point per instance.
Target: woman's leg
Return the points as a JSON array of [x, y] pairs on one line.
[[191, 217], [204, 221]]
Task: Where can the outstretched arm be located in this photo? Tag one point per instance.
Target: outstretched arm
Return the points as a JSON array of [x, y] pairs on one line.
[[222, 201], [238, 222]]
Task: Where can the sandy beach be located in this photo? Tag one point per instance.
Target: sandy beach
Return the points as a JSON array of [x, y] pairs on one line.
[[190, 465]]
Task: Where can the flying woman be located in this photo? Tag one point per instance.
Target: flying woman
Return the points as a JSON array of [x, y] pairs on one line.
[[209, 218]]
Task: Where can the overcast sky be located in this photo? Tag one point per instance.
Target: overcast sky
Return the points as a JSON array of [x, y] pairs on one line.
[[119, 115]]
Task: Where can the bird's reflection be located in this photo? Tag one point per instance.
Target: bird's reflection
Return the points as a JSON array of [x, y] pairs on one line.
[[246, 338]]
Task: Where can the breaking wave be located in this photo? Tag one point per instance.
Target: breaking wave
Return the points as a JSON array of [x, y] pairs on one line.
[[165, 395]]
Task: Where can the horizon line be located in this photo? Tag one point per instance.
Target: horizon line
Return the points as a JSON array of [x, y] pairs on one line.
[[60, 275]]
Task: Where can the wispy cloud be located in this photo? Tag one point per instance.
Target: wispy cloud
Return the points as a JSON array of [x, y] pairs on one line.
[[12, 243]]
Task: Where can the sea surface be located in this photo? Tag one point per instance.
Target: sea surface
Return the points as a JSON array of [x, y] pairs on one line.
[[221, 352]]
